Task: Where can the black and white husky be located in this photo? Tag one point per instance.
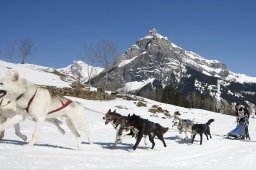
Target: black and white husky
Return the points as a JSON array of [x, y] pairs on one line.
[[146, 128], [118, 122], [183, 125], [201, 129]]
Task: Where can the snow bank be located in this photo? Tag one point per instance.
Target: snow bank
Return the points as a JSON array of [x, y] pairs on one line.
[[36, 74]]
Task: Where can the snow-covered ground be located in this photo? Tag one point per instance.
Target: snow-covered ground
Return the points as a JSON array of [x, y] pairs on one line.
[[36, 74], [56, 151]]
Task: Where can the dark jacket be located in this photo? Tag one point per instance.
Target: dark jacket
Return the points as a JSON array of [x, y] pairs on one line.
[[246, 112], [245, 119]]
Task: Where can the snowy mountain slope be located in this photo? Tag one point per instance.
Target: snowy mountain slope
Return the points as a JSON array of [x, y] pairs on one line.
[[156, 57], [36, 74], [71, 73], [55, 151], [186, 58], [80, 70]]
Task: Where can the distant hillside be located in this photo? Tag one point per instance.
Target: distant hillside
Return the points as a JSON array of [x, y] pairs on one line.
[[79, 70]]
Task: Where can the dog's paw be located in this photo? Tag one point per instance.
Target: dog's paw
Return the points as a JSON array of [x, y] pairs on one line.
[[27, 146], [131, 151], [91, 142], [77, 149], [150, 149], [62, 132], [24, 138]]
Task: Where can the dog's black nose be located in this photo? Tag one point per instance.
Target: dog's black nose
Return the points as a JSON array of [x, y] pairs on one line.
[[103, 118]]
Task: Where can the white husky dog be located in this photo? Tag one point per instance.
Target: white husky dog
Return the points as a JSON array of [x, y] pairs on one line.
[[38, 104], [8, 109]]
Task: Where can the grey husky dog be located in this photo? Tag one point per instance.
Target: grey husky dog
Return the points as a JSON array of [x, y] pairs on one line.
[[183, 125]]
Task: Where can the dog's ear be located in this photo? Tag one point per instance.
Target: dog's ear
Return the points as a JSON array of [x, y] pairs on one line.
[[115, 111], [129, 115], [15, 77], [109, 110]]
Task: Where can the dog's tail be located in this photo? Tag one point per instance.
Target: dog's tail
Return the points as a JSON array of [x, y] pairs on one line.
[[210, 121], [161, 129]]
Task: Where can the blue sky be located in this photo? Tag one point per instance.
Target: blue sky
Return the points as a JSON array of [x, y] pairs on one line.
[[222, 29]]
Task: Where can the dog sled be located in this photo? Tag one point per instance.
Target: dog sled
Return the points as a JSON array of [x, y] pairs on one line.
[[238, 132]]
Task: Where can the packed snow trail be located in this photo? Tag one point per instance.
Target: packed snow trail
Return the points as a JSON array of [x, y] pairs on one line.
[[56, 151]]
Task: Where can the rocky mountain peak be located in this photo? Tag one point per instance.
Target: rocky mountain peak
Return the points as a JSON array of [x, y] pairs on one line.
[[153, 31], [153, 61], [79, 70]]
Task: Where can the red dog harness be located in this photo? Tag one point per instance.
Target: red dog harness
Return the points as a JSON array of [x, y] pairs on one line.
[[30, 100], [68, 102], [63, 105]]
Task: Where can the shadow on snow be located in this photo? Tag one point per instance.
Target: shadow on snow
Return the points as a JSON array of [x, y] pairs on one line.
[[16, 142]]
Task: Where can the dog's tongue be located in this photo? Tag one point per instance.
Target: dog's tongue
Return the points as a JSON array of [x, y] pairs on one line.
[[2, 93]]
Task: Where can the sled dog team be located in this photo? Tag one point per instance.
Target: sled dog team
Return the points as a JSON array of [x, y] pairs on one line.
[[20, 99]]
